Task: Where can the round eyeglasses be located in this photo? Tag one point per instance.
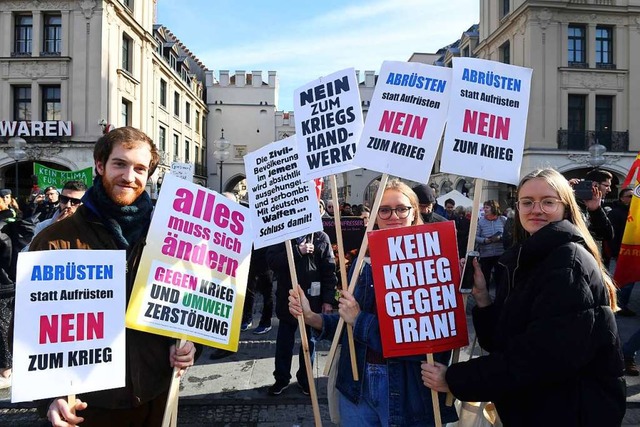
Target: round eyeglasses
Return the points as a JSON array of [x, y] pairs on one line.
[[548, 205], [401, 212]]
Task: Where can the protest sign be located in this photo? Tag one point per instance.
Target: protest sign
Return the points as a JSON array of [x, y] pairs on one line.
[[69, 332], [193, 273], [487, 120], [405, 120], [416, 277], [183, 170], [53, 177], [353, 229], [283, 205], [328, 124]]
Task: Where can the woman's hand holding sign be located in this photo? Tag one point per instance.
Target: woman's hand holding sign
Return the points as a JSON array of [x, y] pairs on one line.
[[348, 307], [299, 305], [60, 413], [433, 376], [182, 357], [479, 291]]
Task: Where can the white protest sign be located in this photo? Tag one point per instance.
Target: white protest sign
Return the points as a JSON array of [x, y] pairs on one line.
[[283, 205], [487, 120], [405, 120], [69, 333], [183, 170], [328, 124], [193, 272]]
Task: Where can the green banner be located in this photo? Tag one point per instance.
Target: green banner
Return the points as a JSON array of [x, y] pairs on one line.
[[47, 176]]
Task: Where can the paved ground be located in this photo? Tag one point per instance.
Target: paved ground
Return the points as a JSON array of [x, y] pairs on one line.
[[232, 391]]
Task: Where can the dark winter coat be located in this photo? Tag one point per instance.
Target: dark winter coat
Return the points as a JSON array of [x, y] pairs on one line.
[[320, 266], [555, 354], [618, 218], [148, 372]]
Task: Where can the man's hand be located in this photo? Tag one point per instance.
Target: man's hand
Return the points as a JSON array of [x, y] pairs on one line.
[[348, 307], [67, 212], [594, 203], [182, 357], [60, 415]]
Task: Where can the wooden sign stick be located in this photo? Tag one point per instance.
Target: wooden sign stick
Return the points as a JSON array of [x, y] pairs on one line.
[[172, 398], [358, 266], [343, 273], [471, 240], [303, 338], [434, 397]]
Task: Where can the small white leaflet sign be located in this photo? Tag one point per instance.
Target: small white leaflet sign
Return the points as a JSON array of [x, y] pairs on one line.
[[183, 170], [328, 124], [283, 205]]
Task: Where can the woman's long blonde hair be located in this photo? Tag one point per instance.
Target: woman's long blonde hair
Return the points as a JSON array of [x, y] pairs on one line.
[[573, 214]]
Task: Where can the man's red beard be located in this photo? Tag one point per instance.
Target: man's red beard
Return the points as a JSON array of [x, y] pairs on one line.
[[121, 199]]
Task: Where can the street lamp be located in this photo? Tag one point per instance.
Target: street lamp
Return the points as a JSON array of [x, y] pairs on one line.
[[16, 152], [596, 155], [221, 152]]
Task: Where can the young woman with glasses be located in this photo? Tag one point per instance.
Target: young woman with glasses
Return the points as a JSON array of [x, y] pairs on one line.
[[552, 337], [390, 391]]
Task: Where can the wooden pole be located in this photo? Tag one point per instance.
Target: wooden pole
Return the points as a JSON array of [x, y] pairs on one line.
[[358, 266], [71, 401], [172, 397], [471, 240], [303, 338], [343, 273], [434, 397]]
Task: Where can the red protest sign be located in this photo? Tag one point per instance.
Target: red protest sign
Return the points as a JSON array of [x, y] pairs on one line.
[[416, 276]]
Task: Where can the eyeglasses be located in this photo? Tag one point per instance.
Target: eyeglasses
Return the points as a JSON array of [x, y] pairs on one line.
[[547, 205], [401, 212], [66, 199]]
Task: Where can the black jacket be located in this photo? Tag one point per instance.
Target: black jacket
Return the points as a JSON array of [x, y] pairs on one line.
[[320, 266], [555, 354], [597, 222], [618, 218]]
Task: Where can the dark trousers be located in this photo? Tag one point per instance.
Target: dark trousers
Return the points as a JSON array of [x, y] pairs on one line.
[[149, 414], [486, 265], [262, 283], [284, 352]]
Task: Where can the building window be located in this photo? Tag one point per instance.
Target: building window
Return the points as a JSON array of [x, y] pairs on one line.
[[127, 44], [162, 139], [159, 46], [176, 146], [176, 104], [126, 113], [172, 61], [197, 121], [128, 4], [52, 44], [505, 53], [187, 112], [604, 119], [604, 47], [505, 9], [23, 35], [187, 147], [22, 102], [577, 122], [163, 93], [577, 46], [51, 105]]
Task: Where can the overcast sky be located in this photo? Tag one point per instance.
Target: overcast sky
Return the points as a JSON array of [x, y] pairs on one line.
[[304, 40]]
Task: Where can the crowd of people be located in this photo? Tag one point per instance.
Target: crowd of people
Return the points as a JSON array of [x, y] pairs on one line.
[[544, 308]]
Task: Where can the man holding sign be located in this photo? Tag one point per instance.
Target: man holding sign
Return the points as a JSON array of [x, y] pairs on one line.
[[116, 214], [389, 391]]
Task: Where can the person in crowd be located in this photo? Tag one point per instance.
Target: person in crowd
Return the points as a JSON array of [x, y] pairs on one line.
[[44, 205], [346, 209], [7, 298], [70, 199], [427, 200], [260, 280], [316, 272], [116, 214], [592, 210], [366, 213], [323, 209], [507, 235], [449, 206], [554, 351], [330, 208], [618, 218], [356, 210], [463, 224], [389, 391], [489, 237]]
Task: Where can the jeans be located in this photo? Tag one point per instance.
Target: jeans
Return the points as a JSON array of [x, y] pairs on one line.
[[624, 293], [284, 352], [373, 409]]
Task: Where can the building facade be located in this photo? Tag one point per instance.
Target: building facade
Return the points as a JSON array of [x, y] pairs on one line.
[[72, 70]]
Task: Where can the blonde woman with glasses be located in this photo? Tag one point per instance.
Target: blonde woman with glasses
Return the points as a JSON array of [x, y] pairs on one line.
[[554, 349]]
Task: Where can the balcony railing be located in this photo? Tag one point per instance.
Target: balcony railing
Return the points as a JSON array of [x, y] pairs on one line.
[[201, 170], [580, 141]]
